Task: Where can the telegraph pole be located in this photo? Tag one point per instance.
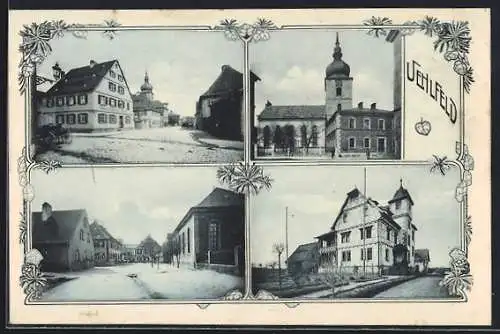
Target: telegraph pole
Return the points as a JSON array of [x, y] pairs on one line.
[[364, 223], [286, 235]]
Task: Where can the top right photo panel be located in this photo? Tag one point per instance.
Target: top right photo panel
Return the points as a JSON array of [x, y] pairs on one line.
[[352, 94]]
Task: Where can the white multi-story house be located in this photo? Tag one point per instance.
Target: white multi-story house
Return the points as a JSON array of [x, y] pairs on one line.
[[95, 97], [367, 237]]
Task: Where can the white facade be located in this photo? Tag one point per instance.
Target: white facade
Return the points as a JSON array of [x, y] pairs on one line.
[[108, 106]]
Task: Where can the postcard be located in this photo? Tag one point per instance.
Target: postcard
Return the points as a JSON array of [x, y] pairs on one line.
[[249, 167]]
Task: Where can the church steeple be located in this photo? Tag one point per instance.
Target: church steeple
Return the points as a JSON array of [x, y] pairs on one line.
[[337, 51], [146, 87]]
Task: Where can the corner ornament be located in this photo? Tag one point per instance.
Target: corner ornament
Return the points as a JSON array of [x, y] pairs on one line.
[[452, 40], [244, 178], [258, 31], [32, 278], [35, 45], [458, 280]]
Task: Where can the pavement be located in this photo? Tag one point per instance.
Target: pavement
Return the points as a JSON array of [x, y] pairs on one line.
[[351, 285]]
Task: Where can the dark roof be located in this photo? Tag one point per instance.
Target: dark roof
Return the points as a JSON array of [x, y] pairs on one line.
[[65, 221], [150, 244], [229, 80], [400, 194], [293, 112], [422, 254], [81, 79], [325, 235], [302, 252], [221, 198], [99, 232]]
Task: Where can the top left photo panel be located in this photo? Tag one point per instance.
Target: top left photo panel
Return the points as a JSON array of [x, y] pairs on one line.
[[132, 96]]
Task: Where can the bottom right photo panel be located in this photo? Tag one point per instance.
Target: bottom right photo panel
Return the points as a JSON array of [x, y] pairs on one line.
[[350, 232]]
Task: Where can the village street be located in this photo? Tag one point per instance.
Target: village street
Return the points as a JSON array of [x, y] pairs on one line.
[[158, 145], [422, 287], [142, 281]]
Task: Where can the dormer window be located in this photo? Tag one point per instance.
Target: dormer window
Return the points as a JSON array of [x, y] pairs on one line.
[[398, 205]]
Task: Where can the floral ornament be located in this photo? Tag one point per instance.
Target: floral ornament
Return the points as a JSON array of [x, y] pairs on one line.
[[440, 164], [203, 306], [233, 295], [22, 173], [35, 45], [467, 161], [110, 33], [410, 30], [244, 178], [22, 228], [468, 230], [453, 39], [259, 31], [459, 279], [377, 22], [265, 295], [48, 166], [32, 278]]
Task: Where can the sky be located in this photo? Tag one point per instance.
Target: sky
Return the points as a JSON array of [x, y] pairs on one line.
[[181, 64], [292, 67], [130, 202], [313, 205]]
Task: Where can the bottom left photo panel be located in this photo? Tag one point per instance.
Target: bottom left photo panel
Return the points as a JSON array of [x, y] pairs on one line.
[[136, 234]]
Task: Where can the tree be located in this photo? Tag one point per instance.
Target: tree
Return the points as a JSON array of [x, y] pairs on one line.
[[309, 135], [331, 274], [279, 248], [176, 251]]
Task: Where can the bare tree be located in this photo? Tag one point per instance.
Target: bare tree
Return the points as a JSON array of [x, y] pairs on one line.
[[331, 273], [279, 248], [307, 134]]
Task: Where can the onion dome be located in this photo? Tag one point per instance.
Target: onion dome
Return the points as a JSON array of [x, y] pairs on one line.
[[337, 68], [146, 86]]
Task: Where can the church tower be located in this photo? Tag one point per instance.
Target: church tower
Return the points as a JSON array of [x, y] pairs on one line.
[[401, 206], [338, 83], [147, 88]]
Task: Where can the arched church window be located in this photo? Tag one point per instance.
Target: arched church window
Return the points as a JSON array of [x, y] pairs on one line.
[[314, 136], [339, 91], [267, 136]]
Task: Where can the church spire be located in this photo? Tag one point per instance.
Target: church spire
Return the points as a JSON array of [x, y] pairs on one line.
[[146, 77], [337, 52]]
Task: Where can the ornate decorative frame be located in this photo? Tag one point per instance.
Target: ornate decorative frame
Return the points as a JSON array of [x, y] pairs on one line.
[[452, 39]]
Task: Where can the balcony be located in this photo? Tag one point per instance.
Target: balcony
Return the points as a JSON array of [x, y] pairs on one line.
[[327, 249]]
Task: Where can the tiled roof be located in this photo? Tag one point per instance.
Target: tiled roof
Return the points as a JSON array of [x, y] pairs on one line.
[[60, 227], [302, 252], [221, 198], [293, 112], [400, 194], [81, 79], [229, 80]]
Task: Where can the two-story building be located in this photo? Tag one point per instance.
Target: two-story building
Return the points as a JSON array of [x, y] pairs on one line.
[[63, 238], [95, 97], [367, 237]]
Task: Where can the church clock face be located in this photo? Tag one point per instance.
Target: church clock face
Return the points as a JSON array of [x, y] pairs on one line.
[[338, 83]]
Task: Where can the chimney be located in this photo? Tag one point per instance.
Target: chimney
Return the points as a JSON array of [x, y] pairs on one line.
[[360, 105], [92, 63], [373, 106], [268, 103], [224, 67], [46, 211]]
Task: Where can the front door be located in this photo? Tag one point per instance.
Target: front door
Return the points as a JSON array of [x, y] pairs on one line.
[[121, 122]]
